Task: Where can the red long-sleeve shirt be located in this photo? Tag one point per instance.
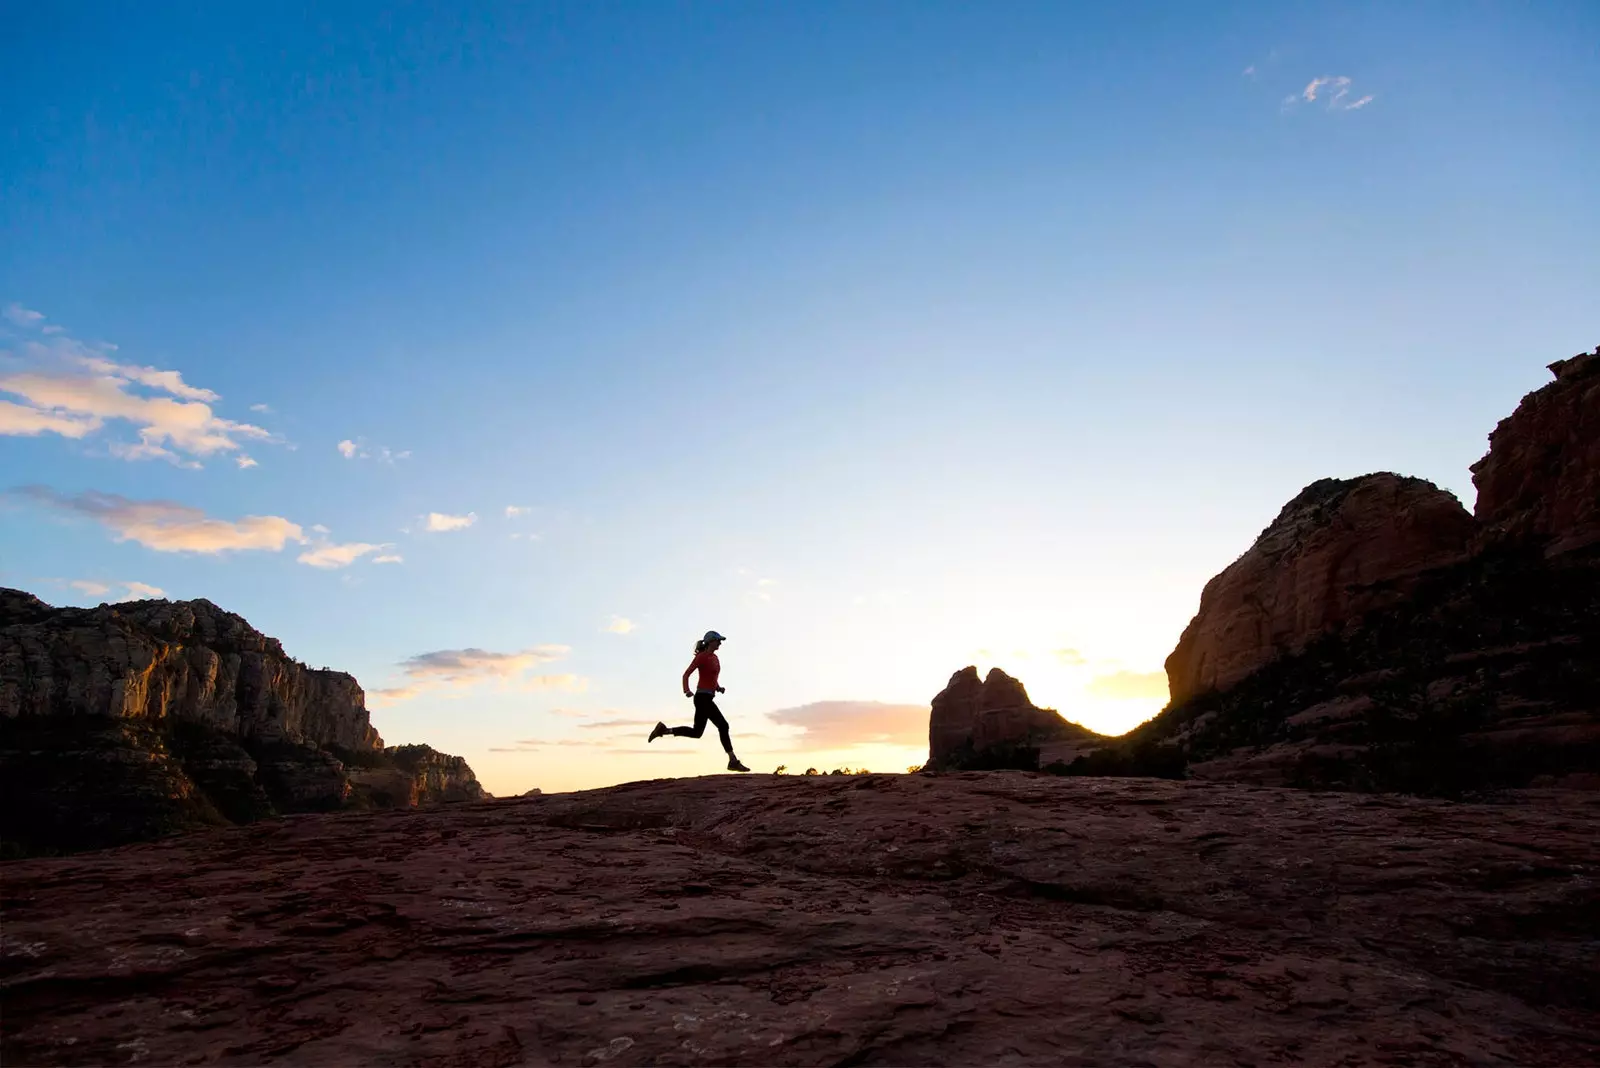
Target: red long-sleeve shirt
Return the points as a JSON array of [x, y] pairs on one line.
[[709, 667]]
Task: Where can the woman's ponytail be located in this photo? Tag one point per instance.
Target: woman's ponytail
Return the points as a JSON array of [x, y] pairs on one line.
[[700, 646]]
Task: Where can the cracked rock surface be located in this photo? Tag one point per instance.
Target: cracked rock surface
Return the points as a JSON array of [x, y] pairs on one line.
[[981, 918]]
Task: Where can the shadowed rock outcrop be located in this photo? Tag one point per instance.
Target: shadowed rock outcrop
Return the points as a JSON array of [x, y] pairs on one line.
[[1539, 484], [1340, 549], [992, 723], [1378, 637], [129, 721]]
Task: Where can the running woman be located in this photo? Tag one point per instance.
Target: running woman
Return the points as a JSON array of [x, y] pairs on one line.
[[705, 698]]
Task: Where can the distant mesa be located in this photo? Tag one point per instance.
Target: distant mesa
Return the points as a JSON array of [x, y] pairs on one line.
[[131, 721]]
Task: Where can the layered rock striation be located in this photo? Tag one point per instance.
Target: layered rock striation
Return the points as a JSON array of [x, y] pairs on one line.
[[129, 721], [1377, 636], [991, 722]]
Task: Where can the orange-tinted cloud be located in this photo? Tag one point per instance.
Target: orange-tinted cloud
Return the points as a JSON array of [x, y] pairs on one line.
[[169, 527], [1126, 685], [838, 724], [460, 668]]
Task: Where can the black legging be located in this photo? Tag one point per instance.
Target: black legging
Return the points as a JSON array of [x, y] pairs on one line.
[[705, 708]]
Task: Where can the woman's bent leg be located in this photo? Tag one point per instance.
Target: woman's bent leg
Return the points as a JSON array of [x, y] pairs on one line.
[[702, 710], [715, 715]]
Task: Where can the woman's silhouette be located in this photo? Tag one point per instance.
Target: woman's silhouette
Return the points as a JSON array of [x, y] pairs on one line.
[[705, 697]]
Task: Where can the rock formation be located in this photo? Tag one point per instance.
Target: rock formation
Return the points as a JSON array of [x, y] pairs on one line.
[[1340, 549], [1540, 481], [1378, 637], [128, 721], [965, 919], [984, 723]]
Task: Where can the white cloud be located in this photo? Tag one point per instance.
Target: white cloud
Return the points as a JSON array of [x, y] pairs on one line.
[[169, 527], [358, 450], [619, 625], [63, 386], [24, 317], [463, 668], [1339, 82], [131, 590], [1334, 88], [262, 408], [441, 521], [1250, 71], [512, 511], [17, 420], [244, 461], [330, 555], [389, 558]]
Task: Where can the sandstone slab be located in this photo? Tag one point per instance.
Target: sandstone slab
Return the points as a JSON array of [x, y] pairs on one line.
[[981, 918]]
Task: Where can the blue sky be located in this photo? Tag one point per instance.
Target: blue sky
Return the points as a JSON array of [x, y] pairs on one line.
[[884, 338]]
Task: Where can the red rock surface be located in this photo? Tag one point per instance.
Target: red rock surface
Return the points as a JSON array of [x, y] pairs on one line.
[[1340, 549], [1540, 480], [991, 918]]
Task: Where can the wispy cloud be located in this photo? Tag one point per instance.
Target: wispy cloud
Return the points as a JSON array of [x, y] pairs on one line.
[[512, 511], [389, 558], [839, 724], [169, 527], [360, 450], [442, 521], [330, 555], [23, 317], [620, 625], [264, 409], [463, 668], [66, 387], [1250, 71], [1069, 657], [131, 591], [1125, 685], [244, 462], [1334, 89]]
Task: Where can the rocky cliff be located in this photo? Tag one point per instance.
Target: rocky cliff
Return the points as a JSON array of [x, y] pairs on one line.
[[991, 723], [128, 721], [1340, 549], [1539, 484], [1377, 636]]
